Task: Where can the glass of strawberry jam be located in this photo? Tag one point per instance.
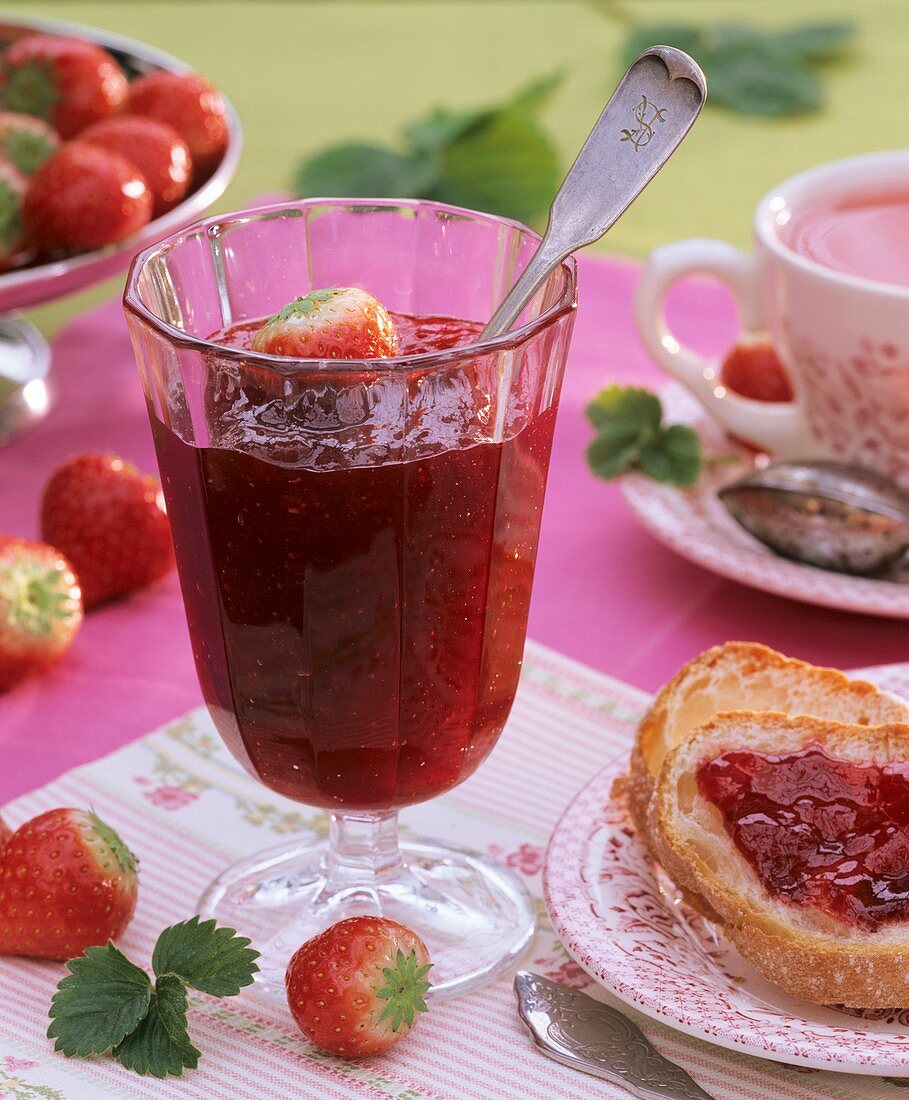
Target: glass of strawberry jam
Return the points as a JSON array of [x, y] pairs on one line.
[[354, 486]]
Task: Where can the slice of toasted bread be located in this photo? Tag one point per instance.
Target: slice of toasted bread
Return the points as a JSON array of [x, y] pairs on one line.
[[802, 948], [744, 676]]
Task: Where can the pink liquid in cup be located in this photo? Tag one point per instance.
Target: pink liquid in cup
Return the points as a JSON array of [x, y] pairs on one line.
[[859, 233]]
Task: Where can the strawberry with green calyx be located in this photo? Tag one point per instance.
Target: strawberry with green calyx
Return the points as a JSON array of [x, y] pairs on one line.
[[358, 987], [68, 82], [84, 197], [334, 323], [67, 881], [26, 142], [13, 186], [110, 520], [107, 1003], [40, 608]]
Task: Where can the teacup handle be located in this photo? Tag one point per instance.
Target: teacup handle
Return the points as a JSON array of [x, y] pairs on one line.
[[778, 427]]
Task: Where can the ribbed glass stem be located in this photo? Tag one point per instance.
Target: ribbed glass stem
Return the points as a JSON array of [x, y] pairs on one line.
[[361, 849]]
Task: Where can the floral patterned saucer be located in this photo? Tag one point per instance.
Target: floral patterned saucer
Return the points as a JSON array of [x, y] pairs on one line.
[[695, 524], [623, 922]]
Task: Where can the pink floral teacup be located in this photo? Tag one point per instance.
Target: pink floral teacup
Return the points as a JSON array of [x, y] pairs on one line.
[[842, 335]]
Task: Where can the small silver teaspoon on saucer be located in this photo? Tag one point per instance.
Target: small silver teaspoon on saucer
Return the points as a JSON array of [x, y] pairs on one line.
[[826, 514], [650, 112], [588, 1035]]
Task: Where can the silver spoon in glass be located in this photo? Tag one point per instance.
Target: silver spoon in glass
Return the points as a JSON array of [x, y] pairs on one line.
[[641, 126]]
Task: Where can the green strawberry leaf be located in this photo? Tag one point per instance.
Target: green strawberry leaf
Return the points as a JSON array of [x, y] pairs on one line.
[[99, 1003], [609, 457], [816, 41], [681, 35], [639, 409], [628, 421], [211, 959], [673, 455], [507, 166], [759, 79], [751, 70], [365, 171], [160, 1046], [440, 127], [496, 159]]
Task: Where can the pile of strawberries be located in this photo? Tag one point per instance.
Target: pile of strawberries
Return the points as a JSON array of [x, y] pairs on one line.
[[88, 158], [105, 533]]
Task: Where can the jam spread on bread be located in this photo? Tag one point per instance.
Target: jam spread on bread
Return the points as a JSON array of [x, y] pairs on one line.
[[819, 831]]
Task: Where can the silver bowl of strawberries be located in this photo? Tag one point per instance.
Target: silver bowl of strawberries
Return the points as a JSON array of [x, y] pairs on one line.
[[106, 145]]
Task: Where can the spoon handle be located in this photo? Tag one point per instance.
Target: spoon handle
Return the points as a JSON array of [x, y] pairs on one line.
[[650, 112]]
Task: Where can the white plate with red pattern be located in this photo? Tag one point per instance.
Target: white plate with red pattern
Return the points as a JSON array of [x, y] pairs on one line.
[[695, 524], [623, 922]]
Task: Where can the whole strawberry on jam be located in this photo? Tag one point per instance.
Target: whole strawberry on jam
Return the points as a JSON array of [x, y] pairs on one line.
[[68, 82], [67, 882], [40, 608], [83, 198], [358, 987], [13, 186], [335, 323], [111, 522], [753, 369], [155, 148], [26, 142], [190, 104]]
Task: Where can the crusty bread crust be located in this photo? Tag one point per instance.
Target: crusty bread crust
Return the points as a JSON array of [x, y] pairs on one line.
[[808, 952], [744, 676]]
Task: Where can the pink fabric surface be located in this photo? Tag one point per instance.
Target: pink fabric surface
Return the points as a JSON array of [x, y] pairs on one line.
[[606, 593]]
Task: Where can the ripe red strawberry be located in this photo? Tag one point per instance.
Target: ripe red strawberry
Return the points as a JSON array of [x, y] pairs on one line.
[[190, 104], [13, 186], [26, 142], [40, 608], [356, 988], [5, 833], [67, 882], [155, 148], [110, 521], [85, 197], [336, 323], [68, 82], [753, 369]]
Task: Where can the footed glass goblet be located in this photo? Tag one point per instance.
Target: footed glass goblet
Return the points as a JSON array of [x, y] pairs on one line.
[[356, 541]]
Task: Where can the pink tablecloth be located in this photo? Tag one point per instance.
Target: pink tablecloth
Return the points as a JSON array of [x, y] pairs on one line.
[[605, 593]]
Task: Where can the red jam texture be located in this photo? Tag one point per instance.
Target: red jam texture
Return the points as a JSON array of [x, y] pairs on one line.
[[358, 630], [819, 831]]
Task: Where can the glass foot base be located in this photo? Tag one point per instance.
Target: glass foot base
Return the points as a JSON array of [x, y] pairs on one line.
[[477, 919]]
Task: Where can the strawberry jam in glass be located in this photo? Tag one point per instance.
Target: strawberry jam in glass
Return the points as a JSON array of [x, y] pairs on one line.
[[356, 542]]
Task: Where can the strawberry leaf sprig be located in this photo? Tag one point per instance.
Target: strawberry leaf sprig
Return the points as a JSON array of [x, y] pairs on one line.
[[107, 1003], [498, 159], [631, 434]]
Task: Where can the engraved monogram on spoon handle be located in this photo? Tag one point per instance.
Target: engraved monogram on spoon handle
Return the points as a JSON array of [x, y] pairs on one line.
[[650, 112]]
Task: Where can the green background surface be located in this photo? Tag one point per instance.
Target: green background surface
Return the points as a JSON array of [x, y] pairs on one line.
[[306, 73]]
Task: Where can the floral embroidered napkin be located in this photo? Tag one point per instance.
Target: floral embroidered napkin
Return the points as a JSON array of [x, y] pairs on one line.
[[187, 809]]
